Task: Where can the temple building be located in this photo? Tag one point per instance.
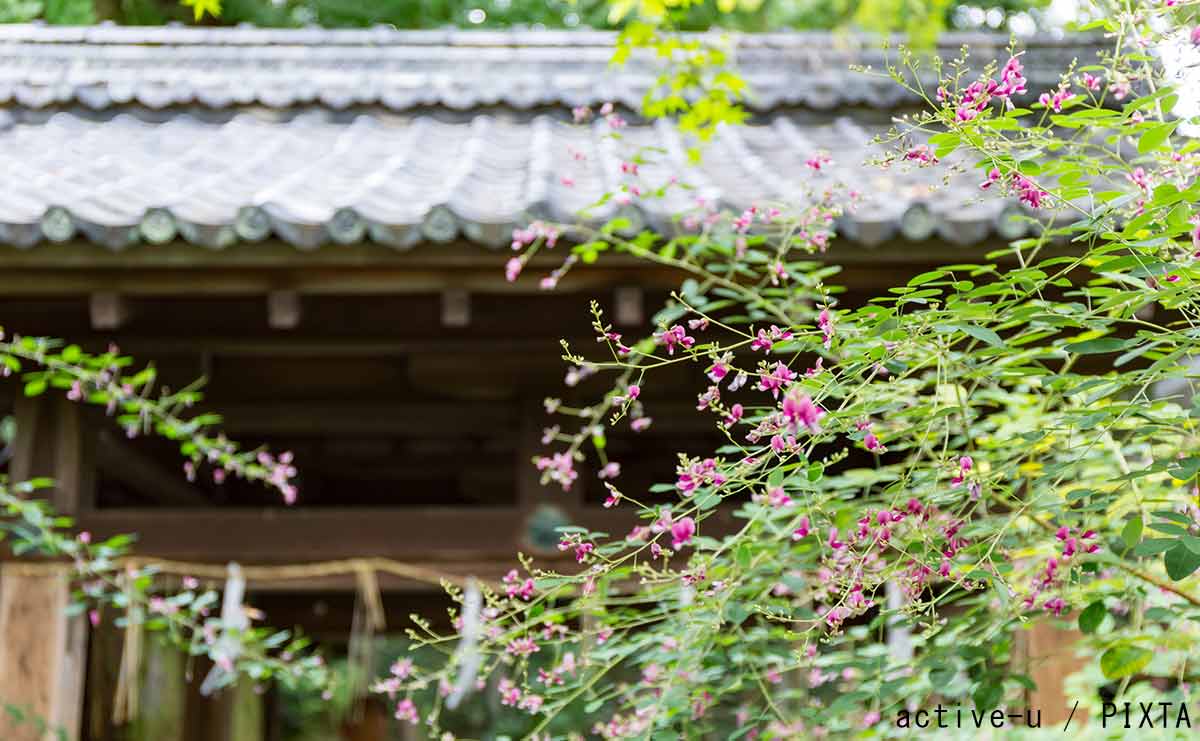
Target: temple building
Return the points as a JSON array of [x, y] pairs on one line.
[[316, 222]]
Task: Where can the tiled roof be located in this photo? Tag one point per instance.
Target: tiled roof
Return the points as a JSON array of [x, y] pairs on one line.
[[317, 178], [108, 66]]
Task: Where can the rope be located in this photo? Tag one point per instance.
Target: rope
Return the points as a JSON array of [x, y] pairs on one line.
[[356, 567]]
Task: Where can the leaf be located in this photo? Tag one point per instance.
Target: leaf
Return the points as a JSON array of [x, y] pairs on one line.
[[987, 695], [1153, 546], [1096, 347], [1155, 136], [982, 333], [1122, 661], [201, 7], [1181, 561], [35, 388], [1132, 532], [70, 12], [1091, 617]]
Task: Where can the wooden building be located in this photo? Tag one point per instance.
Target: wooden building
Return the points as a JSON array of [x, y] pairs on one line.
[[316, 222]]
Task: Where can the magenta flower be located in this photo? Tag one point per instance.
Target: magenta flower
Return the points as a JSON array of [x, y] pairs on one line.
[[407, 710], [1139, 178], [1091, 82], [512, 269], [1012, 79], [676, 335], [799, 410], [871, 442], [921, 154], [833, 541], [819, 160], [825, 322], [1195, 37], [682, 532], [522, 647], [802, 530], [992, 177], [776, 378], [735, 414]]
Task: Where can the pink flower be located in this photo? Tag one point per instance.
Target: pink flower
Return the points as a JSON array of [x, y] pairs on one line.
[[992, 177], [833, 541], [1055, 101], [1091, 82], [802, 530], [1139, 178], [676, 335], [611, 470], [407, 710], [871, 442], [735, 414], [1195, 36], [1028, 192], [799, 409], [522, 647], [512, 269], [819, 160], [682, 532], [825, 322], [775, 379], [1012, 78], [922, 154]]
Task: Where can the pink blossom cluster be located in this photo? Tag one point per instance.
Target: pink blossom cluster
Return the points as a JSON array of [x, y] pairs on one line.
[[691, 475], [559, 468]]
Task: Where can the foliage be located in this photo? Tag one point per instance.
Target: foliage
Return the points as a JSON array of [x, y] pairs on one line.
[[105, 581], [140, 406], [977, 450], [925, 16]]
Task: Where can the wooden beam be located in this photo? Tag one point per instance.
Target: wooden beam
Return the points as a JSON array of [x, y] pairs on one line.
[[121, 461], [283, 309], [362, 420], [299, 535]]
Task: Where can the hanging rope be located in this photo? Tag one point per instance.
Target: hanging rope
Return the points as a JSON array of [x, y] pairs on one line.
[[274, 572]]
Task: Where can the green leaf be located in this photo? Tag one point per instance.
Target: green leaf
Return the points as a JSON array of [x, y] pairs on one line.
[[70, 12], [1155, 136], [1132, 532], [1181, 561], [35, 387], [981, 333], [1123, 661], [1091, 617], [1096, 347], [987, 695]]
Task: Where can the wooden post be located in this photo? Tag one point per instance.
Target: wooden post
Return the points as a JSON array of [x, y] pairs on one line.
[[42, 654], [1049, 655], [246, 721], [43, 651], [163, 693]]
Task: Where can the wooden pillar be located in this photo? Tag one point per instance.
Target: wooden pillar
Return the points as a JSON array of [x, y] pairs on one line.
[[43, 652], [247, 717], [162, 694], [1049, 655]]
